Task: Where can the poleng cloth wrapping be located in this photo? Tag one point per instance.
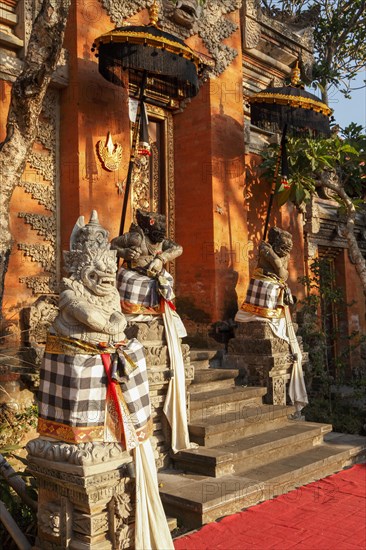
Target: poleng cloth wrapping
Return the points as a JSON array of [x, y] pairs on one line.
[[266, 296], [140, 293], [75, 400]]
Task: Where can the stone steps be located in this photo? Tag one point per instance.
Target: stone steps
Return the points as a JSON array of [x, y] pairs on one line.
[[249, 451], [223, 400], [202, 354], [202, 376], [255, 450], [242, 421], [196, 499], [211, 386]]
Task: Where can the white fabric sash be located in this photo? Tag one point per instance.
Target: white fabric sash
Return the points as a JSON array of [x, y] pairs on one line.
[[175, 407], [151, 527]]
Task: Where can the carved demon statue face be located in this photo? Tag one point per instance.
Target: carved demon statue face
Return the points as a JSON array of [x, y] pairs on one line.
[[281, 241], [184, 13], [90, 258], [100, 276], [152, 224]]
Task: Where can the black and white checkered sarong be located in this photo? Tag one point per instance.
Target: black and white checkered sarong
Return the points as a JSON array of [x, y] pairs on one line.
[[135, 386], [262, 293], [139, 289], [73, 388]]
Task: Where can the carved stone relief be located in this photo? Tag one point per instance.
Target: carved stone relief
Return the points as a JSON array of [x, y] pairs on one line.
[[44, 225], [49, 519], [186, 18], [44, 162], [36, 320], [83, 454]]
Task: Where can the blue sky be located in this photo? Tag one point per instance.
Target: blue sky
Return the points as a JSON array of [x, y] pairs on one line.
[[350, 110]]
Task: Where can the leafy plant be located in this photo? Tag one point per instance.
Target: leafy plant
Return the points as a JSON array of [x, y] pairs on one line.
[[339, 37], [310, 158], [23, 515], [14, 425], [326, 372]]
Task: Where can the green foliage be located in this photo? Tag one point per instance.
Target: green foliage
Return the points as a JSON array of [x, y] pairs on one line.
[[309, 158], [22, 514], [15, 425], [339, 37], [323, 306]]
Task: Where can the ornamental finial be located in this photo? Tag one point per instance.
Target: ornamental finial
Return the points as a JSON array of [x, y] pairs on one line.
[[295, 75], [154, 13]]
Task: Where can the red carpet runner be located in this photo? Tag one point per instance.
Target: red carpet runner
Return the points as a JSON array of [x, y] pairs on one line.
[[329, 514]]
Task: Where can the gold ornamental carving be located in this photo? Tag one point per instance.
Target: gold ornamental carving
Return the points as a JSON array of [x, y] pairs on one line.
[[110, 154]]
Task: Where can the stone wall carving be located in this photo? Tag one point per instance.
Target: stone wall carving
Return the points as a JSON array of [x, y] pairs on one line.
[[36, 321], [41, 253], [49, 519], [44, 194], [83, 454], [41, 284], [44, 225], [252, 29], [208, 22], [86, 497], [45, 163]]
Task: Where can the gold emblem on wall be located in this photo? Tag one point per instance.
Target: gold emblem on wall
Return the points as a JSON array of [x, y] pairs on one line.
[[110, 154]]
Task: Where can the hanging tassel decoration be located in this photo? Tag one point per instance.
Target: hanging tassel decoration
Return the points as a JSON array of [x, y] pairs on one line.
[[144, 145]]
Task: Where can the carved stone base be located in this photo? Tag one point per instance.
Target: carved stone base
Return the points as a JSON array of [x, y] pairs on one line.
[[152, 335], [263, 359], [86, 498]]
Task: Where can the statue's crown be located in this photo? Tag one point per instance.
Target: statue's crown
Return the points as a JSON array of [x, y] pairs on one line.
[[89, 245]]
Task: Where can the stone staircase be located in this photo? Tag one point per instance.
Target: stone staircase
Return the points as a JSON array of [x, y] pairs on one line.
[[249, 451]]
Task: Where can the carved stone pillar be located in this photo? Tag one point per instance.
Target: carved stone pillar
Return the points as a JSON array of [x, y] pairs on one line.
[[262, 358], [86, 498], [152, 335]]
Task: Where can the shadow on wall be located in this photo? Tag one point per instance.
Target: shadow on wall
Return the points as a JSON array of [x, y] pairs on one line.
[[256, 194]]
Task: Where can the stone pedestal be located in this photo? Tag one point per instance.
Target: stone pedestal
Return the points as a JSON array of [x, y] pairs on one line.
[[85, 498], [263, 359], [152, 335]]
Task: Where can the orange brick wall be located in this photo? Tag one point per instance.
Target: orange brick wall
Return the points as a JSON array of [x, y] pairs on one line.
[[209, 179], [90, 107]]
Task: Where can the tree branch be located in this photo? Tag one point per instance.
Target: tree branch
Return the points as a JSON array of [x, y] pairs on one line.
[[27, 96]]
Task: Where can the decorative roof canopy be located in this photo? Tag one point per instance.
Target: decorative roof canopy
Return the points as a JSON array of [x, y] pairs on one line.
[[303, 112], [172, 68]]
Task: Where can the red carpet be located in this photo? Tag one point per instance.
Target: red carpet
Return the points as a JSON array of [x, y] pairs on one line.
[[329, 514]]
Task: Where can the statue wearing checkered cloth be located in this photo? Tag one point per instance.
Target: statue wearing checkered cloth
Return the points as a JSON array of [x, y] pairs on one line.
[[268, 292], [142, 281], [146, 289], [268, 299], [94, 383]]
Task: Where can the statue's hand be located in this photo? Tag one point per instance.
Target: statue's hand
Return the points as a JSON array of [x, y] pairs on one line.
[[156, 266], [116, 324], [132, 253]]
